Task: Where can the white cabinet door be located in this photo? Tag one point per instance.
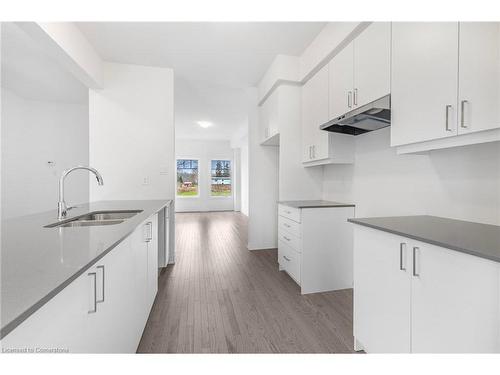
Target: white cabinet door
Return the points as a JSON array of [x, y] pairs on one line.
[[381, 291], [273, 112], [424, 81], [321, 145], [60, 323], [372, 64], [479, 78], [341, 82], [264, 121], [269, 116], [114, 276], [152, 260], [140, 276], [306, 119], [454, 302], [315, 113]]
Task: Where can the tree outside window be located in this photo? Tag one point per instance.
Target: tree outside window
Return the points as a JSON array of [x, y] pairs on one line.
[[187, 177], [221, 183]]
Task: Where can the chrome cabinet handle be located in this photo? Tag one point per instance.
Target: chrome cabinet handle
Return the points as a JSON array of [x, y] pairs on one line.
[[103, 285], [94, 275], [462, 115], [286, 238], [448, 107], [149, 233], [355, 96], [415, 249], [286, 258], [314, 151], [401, 250], [310, 152], [349, 99]]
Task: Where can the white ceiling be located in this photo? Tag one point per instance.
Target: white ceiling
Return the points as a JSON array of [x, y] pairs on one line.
[[213, 62], [31, 73]]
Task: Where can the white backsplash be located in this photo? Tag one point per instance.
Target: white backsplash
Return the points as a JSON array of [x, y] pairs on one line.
[[461, 183]]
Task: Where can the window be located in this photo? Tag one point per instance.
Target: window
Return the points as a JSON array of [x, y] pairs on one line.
[[220, 173], [187, 177]]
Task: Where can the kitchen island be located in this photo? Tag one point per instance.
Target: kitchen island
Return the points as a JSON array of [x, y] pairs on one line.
[[40, 264]]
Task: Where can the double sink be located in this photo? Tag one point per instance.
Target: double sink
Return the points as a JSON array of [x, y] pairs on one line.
[[96, 218]]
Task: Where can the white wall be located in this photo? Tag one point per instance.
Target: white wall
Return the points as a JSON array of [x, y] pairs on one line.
[[244, 182], [33, 133], [461, 183], [236, 171], [263, 184], [204, 151], [132, 133], [240, 144]]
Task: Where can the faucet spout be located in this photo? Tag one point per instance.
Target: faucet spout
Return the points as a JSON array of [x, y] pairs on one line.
[[62, 208]]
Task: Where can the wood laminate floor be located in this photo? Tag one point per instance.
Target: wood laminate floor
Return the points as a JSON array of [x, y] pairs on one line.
[[221, 298]]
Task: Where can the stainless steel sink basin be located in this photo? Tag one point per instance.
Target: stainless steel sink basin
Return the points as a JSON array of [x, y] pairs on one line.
[[108, 215], [96, 218], [90, 223]]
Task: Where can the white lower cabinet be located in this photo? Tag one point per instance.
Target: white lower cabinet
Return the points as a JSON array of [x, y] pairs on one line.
[[381, 293], [105, 309], [152, 264], [413, 297], [315, 247]]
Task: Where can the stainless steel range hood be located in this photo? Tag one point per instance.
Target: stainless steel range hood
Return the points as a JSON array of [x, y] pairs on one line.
[[372, 116]]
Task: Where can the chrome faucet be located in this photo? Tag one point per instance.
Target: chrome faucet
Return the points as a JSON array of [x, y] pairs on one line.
[[62, 208]]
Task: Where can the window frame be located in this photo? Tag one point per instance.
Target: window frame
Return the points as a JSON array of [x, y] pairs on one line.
[[176, 176], [210, 179]]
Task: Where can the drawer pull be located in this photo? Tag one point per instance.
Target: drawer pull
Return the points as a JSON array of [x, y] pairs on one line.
[[447, 117], [402, 248], [94, 307], [286, 238], [415, 273], [286, 258], [103, 285]]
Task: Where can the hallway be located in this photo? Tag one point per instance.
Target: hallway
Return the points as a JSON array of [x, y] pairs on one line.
[[221, 298]]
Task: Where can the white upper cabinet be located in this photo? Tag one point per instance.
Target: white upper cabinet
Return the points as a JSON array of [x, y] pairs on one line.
[[316, 114], [424, 81], [479, 76], [372, 64], [269, 117], [445, 85], [319, 146], [341, 82], [361, 72]]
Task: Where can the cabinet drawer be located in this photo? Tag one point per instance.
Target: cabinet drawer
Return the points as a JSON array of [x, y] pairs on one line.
[[293, 241], [289, 261], [289, 212], [290, 226]]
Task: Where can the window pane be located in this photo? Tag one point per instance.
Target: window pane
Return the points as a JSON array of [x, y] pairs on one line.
[[187, 178], [220, 174]]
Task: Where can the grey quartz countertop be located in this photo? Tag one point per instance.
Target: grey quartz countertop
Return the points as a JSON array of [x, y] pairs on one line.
[[314, 204], [482, 240], [37, 262]]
